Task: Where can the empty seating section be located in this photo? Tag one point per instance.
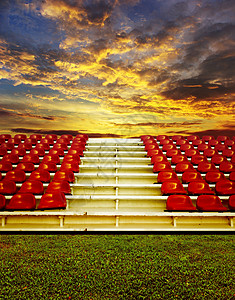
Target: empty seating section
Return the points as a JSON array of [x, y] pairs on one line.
[[172, 173], [36, 171]]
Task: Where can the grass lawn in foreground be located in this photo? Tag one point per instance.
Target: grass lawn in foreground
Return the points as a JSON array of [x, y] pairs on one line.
[[117, 267]]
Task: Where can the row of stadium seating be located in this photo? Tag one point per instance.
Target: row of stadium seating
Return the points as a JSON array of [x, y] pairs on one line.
[[27, 171], [193, 166]]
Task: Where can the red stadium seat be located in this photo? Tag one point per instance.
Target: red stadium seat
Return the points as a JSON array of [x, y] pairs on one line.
[[38, 151], [172, 152], [182, 142], [32, 141], [3, 151], [73, 158], [150, 152], [26, 145], [227, 167], [214, 176], [7, 187], [52, 201], [231, 202], [51, 158], [32, 186], [59, 186], [180, 203], [203, 147], [199, 187], [19, 152], [166, 176], [189, 176], [16, 176], [228, 153], [84, 136], [144, 138], [60, 146], [167, 147], [148, 146], [51, 136], [220, 147], [165, 142], [217, 159], [5, 166], [12, 158], [69, 166], [205, 167], [197, 159], [222, 138], [22, 202], [2, 202], [22, 137], [172, 187], [67, 136], [191, 138], [5, 136], [175, 138], [64, 175], [179, 159], [191, 152], [229, 143], [25, 166], [158, 167], [59, 152], [44, 146], [213, 143], [210, 203], [50, 167], [196, 143], [232, 176], [158, 159], [78, 146], [209, 152], [47, 141], [37, 137], [31, 158], [207, 138], [184, 166], [225, 187], [162, 137], [63, 141], [40, 175], [233, 159], [8, 146], [185, 147], [15, 140]]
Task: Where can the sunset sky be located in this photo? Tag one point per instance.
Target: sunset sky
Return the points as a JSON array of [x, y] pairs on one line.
[[117, 67]]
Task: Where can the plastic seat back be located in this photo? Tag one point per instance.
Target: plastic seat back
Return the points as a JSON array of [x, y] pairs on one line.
[[7, 187], [225, 187], [197, 159], [179, 159], [232, 176], [199, 187], [210, 203], [12, 158], [69, 166], [158, 159], [189, 176], [31, 158], [16, 176], [217, 159], [226, 167], [59, 186], [52, 201], [25, 166], [51, 158], [5, 166], [64, 175], [172, 152], [180, 203], [32, 187], [214, 176], [166, 176], [158, 167], [172, 187], [40, 175], [22, 202], [205, 167], [50, 167]]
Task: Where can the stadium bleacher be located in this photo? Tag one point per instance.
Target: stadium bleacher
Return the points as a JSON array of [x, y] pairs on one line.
[[156, 183]]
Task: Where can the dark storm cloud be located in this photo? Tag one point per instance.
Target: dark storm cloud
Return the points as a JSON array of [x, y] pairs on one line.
[[161, 125]]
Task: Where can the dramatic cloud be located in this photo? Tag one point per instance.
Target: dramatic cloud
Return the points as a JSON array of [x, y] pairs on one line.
[[91, 65]]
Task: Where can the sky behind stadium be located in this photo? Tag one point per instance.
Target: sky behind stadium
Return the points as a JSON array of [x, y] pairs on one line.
[[117, 67]]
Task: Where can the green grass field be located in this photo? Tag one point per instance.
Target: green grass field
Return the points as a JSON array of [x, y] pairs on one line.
[[117, 267]]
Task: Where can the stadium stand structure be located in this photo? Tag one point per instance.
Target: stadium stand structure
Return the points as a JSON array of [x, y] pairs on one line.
[[151, 183]]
